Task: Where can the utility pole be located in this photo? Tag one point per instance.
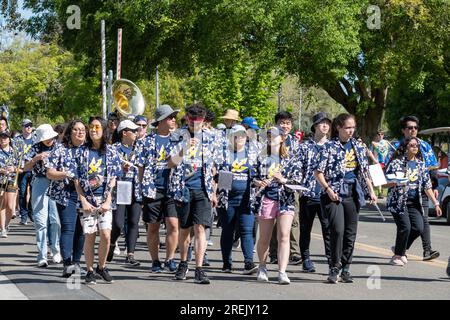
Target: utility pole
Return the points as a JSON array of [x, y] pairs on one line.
[[279, 98], [300, 110]]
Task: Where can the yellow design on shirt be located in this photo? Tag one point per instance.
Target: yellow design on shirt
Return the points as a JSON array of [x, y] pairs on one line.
[[274, 168], [412, 174], [350, 159], [95, 165], [26, 148], [162, 154], [238, 166]]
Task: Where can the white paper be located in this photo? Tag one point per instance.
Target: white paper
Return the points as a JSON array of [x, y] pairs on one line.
[[225, 180], [377, 175], [124, 192], [296, 187]]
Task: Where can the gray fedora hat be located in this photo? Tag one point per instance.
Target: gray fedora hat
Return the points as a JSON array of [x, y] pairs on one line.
[[162, 112]]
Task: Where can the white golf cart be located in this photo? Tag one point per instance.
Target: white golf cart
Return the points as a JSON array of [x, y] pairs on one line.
[[440, 137]]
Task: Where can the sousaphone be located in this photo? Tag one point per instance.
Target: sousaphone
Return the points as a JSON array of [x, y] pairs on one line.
[[127, 98]]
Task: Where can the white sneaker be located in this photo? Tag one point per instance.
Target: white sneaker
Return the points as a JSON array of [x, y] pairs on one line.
[[57, 258], [42, 263], [117, 250], [262, 274], [404, 259], [283, 278], [397, 261], [4, 234]]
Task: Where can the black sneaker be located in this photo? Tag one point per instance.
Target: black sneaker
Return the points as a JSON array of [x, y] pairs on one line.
[[250, 268], [430, 255], [295, 259], [333, 275], [346, 277], [308, 266], [200, 276], [227, 268], [132, 261], [205, 261], [90, 278], [182, 270], [448, 267], [68, 271], [110, 255], [104, 274]]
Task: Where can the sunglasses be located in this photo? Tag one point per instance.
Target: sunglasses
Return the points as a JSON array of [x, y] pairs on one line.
[[95, 127], [196, 119], [142, 125], [130, 130], [412, 128], [415, 145], [29, 125]]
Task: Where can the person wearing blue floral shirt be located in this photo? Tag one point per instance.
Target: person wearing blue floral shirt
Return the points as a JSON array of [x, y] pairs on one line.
[[61, 168], [410, 128], [124, 139], [234, 201], [284, 120], [9, 163], [24, 142], [98, 167], [152, 159], [343, 173], [44, 208], [405, 200], [309, 155], [274, 201], [193, 187]]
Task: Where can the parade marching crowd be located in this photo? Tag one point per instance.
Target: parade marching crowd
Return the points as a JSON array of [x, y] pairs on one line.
[[86, 181]]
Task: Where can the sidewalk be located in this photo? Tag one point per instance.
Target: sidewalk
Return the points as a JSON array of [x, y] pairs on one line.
[[9, 291]]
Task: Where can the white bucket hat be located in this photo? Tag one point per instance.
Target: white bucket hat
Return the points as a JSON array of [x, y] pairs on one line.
[[45, 132]]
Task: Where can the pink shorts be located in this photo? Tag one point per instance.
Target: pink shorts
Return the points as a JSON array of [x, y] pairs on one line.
[[271, 209]]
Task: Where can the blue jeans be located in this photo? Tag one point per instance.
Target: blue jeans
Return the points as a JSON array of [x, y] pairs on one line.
[[24, 179], [72, 236], [44, 211], [228, 220]]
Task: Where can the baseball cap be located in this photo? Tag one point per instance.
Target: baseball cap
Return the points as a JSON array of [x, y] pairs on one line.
[[26, 121], [251, 123], [126, 124]]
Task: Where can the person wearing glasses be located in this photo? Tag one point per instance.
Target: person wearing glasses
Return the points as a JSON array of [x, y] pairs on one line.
[[61, 168], [124, 141], [98, 165], [113, 122], [193, 188], [405, 199], [152, 159], [25, 140], [142, 124], [410, 128]]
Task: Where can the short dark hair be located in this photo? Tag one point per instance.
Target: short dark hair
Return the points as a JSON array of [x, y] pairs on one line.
[[60, 127], [210, 116], [404, 120], [283, 115], [196, 110]]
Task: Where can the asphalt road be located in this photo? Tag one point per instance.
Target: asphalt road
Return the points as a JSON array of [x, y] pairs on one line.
[[374, 277]]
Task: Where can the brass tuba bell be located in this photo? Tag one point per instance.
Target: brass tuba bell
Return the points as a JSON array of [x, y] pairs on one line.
[[127, 98]]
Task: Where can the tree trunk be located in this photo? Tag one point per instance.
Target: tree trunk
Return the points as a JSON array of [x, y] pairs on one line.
[[369, 123]]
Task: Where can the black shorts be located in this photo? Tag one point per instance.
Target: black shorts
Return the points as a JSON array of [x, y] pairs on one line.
[[154, 210], [9, 187], [196, 211]]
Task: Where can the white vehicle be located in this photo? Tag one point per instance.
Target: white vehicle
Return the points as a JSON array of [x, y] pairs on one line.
[[441, 137]]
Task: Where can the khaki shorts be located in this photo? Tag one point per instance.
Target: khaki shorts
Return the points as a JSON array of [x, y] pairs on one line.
[[92, 222]]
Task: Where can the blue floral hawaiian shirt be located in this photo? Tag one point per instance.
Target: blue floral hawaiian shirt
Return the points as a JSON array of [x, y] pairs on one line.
[[39, 168], [289, 169], [308, 157], [113, 170], [209, 156], [398, 195], [63, 158], [425, 148], [9, 158], [226, 164], [331, 164], [137, 187]]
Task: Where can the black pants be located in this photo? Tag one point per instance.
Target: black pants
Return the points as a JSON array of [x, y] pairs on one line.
[[343, 221], [410, 226], [308, 211], [133, 212], [426, 234]]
